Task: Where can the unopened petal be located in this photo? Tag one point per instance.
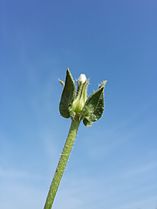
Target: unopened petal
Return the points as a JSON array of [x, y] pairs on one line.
[[82, 78]]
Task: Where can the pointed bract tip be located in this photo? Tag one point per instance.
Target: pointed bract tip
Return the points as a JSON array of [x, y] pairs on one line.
[[103, 84], [61, 82]]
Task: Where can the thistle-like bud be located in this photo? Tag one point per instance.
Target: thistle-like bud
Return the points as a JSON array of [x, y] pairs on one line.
[[75, 102], [81, 95]]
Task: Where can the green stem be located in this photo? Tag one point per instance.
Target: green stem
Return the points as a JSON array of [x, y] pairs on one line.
[[62, 163]]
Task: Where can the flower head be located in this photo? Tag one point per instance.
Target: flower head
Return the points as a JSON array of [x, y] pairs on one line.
[[75, 102]]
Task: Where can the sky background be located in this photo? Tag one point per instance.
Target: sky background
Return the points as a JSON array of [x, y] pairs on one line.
[[114, 163]]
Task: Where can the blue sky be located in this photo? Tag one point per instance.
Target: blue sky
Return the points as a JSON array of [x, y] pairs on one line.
[[114, 163]]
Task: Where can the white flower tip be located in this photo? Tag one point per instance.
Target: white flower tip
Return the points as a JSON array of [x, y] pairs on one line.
[[82, 78]]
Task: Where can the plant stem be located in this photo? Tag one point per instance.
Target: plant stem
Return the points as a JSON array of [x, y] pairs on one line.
[[62, 163]]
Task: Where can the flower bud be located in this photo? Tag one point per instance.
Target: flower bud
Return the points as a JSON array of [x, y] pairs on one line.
[[81, 96]]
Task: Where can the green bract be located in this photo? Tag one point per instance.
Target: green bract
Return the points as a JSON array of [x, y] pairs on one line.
[[94, 106], [76, 103], [68, 95]]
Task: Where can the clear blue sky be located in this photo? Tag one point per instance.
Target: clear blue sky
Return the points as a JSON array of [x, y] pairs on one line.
[[113, 164]]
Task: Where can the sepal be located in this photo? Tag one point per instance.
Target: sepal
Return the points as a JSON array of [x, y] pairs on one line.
[[68, 95], [94, 106]]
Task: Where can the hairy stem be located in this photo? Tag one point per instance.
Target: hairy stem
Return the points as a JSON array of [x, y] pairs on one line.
[[62, 163]]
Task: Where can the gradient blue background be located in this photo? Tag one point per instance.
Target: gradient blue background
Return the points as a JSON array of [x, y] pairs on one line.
[[113, 164]]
